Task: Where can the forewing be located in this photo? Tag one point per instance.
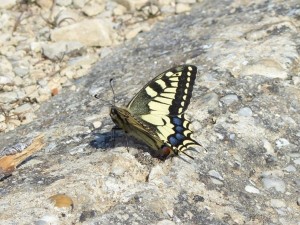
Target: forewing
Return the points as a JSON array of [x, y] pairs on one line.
[[167, 94]]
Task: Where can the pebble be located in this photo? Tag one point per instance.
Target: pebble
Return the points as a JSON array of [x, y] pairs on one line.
[[62, 201], [290, 168], [252, 189], [5, 66], [77, 149], [59, 49], [135, 30], [277, 203], [245, 112], [268, 147], [7, 4], [4, 80], [46, 4], [93, 8], [274, 182], [23, 109], [21, 67], [80, 3], [297, 161], [47, 220], [298, 201], [63, 2], [8, 97], [181, 8], [229, 99], [2, 118], [281, 142], [98, 32], [119, 10], [164, 2], [215, 174]]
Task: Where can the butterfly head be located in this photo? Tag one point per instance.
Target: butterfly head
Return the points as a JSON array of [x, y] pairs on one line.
[[115, 116]]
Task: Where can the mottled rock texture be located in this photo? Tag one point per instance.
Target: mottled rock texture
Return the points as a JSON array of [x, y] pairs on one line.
[[247, 54]]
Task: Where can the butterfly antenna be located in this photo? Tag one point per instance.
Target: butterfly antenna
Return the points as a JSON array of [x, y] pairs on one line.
[[97, 96], [111, 86]]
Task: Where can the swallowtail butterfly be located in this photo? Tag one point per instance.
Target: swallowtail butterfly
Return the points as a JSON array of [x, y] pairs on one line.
[[155, 115]]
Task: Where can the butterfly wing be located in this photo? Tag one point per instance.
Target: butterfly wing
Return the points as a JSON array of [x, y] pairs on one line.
[[161, 104]]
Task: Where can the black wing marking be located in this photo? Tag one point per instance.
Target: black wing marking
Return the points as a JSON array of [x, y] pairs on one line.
[[167, 94]]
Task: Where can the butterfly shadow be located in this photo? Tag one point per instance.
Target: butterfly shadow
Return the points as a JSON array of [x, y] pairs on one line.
[[117, 138]]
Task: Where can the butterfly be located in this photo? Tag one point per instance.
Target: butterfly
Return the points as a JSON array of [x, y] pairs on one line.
[[155, 115]]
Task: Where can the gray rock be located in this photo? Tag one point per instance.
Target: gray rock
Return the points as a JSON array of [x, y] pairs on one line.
[[96, 32], [215, 174], [245, 112], [8, 97], [277, 203], [274, 182], [282, 142], [297, 161], [252, 189], [229, 99], [290, 168], [60, 49], [21, 67]]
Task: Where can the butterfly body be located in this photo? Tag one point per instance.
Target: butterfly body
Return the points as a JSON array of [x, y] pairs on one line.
[[156, 114]]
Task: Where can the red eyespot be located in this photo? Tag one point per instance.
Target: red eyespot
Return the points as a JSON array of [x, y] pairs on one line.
[[165, 151]]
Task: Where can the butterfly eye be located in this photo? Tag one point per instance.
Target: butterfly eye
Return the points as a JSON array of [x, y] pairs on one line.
[[113, 113]]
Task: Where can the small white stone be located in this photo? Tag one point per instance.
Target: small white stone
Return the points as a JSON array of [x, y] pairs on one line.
[[46, 4], [268, 147], [47, 220], [277, 203], [80, 3], [215, 174], [8, 97], [274, 182], [282, 142], [63, 2], [252, 189], [97, 124], [95, 32], [297, 161], [7, 4], [93, 9], [4, 80], [229, 99], [164, 2], [119, 10], [23, 109], [181, 8], [290, 168], [2, 118], [246, 111]]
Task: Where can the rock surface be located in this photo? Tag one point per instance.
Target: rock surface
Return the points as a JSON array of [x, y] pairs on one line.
[[247, 55]]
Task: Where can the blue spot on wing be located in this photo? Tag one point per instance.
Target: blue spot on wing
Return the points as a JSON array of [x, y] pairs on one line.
[[179, 129], [180, 137], [173, 141], [177, 121]]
